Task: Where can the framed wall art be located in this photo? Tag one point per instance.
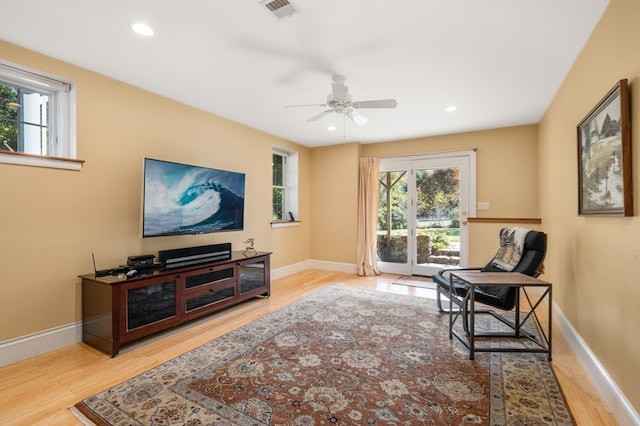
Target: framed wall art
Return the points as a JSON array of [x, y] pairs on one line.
[[604, 156]]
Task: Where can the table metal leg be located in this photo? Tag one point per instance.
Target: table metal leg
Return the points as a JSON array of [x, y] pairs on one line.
[[550, 324], [450, 308], [472, 320]]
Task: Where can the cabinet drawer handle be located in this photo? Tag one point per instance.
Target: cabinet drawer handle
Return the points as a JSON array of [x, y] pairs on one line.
[[211, 290]]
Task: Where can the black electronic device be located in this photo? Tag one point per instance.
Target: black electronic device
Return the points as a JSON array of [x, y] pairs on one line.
[[141, 260], [111, 271]]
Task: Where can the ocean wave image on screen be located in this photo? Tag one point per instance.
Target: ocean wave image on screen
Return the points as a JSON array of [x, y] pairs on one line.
[[181, 199]]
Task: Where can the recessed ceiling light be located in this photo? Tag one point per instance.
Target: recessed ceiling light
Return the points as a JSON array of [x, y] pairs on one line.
[[450, 108], [142, 29], [331, 128]]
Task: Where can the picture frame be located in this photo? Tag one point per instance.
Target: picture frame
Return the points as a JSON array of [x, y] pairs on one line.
[[604, 156]]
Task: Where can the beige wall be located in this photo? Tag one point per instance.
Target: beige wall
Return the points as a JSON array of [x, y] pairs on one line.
[[593, 261], [52, 220], [334, 203]]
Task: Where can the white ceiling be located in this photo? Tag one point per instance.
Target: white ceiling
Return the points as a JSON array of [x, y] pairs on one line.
[[500, 62]]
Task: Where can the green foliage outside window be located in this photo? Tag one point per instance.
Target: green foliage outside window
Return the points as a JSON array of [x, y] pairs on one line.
[[277, 209], [278, 188], [393, 190], [438, 192], [9, 107], [437, 198]]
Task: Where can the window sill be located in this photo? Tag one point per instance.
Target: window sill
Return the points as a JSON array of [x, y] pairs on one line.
[[20, 158], [285, 224]]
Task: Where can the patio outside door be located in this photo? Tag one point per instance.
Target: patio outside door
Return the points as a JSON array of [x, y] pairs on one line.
[[423, 210]]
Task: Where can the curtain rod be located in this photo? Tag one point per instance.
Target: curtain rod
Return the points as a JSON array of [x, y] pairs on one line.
[[461, 151]]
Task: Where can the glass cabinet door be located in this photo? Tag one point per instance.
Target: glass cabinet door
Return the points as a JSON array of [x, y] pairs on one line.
[[252, 275], [150, 304], [208, 299], [206, 287]]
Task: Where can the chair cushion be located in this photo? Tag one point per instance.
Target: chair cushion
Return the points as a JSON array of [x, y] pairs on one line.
[[443, 282], [500, 297]]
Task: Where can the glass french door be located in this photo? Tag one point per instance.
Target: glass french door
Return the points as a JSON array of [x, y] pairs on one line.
[[423, 210]]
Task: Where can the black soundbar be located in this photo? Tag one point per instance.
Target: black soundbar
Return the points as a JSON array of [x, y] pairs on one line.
[[177, 258]]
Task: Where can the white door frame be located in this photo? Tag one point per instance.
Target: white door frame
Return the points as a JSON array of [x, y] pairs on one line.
[[466, 161]]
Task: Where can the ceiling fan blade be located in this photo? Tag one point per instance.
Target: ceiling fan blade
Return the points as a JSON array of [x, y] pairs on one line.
[[357, 118], [380, 103], [305, 105], [319, 116]]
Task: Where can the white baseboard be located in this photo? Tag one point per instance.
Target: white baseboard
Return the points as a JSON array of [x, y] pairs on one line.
[[290, 269], [24, 347], [313, 264], [619, 405], [21, 348], [334, 266]]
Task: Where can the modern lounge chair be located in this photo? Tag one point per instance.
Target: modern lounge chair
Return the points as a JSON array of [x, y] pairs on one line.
[[529, 262]]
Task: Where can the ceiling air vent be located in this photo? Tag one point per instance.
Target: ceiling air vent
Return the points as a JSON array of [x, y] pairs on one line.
[[279, 8]]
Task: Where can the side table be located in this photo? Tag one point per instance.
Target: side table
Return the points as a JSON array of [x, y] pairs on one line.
[[540, 343]]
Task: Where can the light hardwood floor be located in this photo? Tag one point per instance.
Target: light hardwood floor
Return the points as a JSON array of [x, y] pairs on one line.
[[38, 391]]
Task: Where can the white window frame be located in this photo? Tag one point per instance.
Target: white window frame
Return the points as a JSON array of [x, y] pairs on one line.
[[290, 178], [62, 126]]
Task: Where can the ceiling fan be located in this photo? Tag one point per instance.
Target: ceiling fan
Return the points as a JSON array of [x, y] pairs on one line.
[[339, 101]]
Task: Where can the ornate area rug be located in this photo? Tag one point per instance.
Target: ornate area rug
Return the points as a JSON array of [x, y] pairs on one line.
[[341, 356], [415, 281]]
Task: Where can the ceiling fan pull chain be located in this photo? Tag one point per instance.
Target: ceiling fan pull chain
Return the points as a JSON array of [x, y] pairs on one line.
[[344, 127]]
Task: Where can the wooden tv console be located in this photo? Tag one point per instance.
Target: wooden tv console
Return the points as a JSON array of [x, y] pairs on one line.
[[119, 310]]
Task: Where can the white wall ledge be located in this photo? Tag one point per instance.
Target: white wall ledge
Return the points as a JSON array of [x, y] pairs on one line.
[[40, 161], [285, 224]]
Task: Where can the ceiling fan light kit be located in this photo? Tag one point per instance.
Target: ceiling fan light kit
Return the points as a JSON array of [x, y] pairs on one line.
[[340, 102]]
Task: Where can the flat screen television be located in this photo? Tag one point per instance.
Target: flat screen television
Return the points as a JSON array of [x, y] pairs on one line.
[[183, 199]]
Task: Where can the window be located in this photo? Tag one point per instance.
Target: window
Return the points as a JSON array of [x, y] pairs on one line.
[[284, 190], [37, 117], [278, 192]]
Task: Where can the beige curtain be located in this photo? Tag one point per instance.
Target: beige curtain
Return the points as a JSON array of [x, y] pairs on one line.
[[367, 257]]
